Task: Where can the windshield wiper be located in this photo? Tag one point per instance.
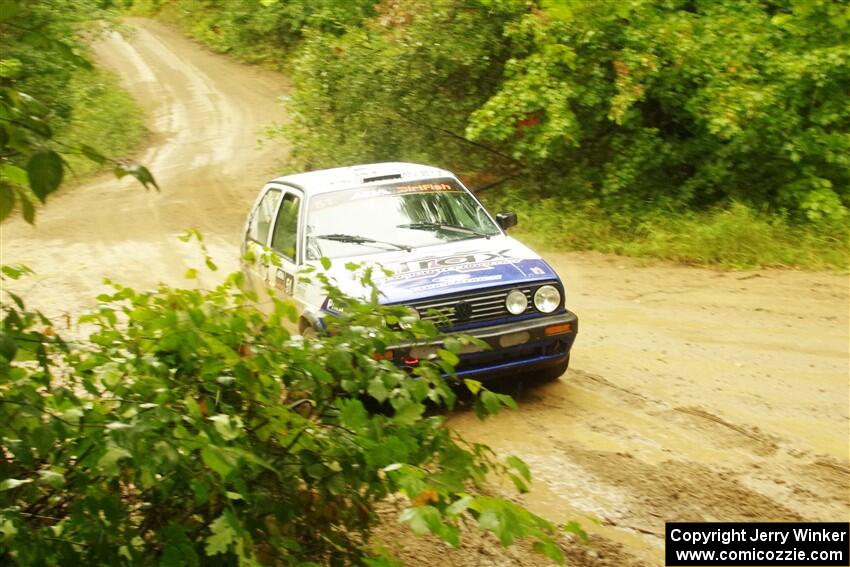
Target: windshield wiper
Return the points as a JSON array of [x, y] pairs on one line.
[[353, 239], [444, 226]]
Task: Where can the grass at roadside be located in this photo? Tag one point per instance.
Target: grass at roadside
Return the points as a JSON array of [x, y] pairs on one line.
[[732, 237], [105, 117]]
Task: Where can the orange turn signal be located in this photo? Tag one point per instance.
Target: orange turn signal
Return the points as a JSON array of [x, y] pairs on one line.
[[383, 356], [559, 329]]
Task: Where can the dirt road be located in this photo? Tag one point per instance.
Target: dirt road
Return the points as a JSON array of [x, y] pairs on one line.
[[693, 394], [206, 115]]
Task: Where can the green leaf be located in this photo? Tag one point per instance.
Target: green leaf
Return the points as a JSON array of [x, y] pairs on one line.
[[109, 461], [51, 478], [448, 356], [377, 389], [7, 201], [11, 483], [326, 263], [422, 519], [474, 386], [7, 529], [8, 347], [459, 506], [221, 537], [45, 171], [13, 174], [217, 461], [140, 172], [229, 427], [409, 413], [27, 208], [520, 466], [93, 154], [575, 527], [507, 401], [490, 402], [353, 415], [548, 548], [519, 483]]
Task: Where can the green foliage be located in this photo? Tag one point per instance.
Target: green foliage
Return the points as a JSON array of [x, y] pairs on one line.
[[402, 86], [735, 236], [640, 108], [682, 102], [40, 54], [104, 116], [261, 31], [640, 105], [190, 428]]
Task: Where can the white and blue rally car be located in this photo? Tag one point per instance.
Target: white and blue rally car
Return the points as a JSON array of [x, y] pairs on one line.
[[450, 260]]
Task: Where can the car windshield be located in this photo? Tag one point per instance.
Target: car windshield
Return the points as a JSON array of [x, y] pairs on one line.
[[399, 216]]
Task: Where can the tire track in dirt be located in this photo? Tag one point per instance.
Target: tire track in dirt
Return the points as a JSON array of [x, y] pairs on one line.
[[694, 395]]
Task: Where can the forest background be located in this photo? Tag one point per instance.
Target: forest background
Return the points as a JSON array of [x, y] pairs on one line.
[[708, 132]]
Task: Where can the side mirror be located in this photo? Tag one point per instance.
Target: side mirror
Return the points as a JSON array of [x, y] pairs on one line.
[[506, 220]]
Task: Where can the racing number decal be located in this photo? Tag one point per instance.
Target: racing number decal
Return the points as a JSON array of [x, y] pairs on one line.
[[284, 282]]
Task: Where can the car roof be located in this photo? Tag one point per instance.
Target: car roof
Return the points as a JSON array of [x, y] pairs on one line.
[[340, 178]]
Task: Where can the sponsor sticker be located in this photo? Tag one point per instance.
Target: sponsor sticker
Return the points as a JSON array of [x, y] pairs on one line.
[[285, 282]]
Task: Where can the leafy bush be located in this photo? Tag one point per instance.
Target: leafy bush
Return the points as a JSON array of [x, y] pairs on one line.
[[259, 31], [104, 115], [634, 111], [39, 62], [190, 427], [644, 105]]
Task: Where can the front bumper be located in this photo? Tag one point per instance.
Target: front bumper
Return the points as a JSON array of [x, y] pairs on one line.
[[516, 347]]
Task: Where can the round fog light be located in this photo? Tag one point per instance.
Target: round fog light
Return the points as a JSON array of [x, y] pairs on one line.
[[547, 298], [516, 302]]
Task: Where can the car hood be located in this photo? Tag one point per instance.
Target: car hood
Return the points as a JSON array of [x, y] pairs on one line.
[[446, 269]]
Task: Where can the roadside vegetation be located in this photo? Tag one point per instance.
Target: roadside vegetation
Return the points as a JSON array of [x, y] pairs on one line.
[[190, 428], [103, 116], [664, 124], [733, 236], [59, 115]]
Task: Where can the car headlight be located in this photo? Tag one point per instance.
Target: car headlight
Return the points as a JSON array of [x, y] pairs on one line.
[[409, 319], [516, 302], [547, 298]]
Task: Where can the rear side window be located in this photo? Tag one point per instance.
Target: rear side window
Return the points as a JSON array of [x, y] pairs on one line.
[[286, 227], [263, 216]]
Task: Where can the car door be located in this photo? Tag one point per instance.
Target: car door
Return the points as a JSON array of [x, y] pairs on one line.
[[285, 246], [255, 262]]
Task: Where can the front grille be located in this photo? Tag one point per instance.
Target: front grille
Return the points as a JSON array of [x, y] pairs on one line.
[[470, 307]]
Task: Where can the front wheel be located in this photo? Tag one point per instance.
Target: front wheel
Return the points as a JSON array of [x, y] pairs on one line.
[[309, 332]]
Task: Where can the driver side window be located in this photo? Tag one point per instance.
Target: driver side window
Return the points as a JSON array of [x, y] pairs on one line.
[[263, 215], [285, 236]]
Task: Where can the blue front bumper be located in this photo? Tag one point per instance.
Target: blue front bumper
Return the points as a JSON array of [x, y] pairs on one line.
[[548, 344]]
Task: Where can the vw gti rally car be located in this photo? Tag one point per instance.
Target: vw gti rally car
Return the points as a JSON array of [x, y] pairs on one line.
[[451, 261]]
